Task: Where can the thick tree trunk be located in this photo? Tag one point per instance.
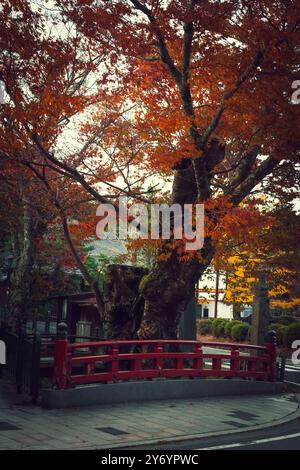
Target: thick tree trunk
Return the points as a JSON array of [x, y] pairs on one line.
[[169, 286], [236, 310], [167, 290], [164, 293], [123, 303], [20, 280]]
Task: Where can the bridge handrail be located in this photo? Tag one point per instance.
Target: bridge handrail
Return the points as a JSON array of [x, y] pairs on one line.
[[216, 344], [114, 364]]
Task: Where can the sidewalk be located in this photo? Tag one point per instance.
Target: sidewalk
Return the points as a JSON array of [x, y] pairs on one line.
[[23, 426]]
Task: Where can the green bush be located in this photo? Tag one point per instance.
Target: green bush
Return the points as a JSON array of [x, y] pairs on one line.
[[228, 327], [204, 326], [218, 327], [239, 331], [214, 325], [280, 331], [291, 333], [284, 320], [220, 330]]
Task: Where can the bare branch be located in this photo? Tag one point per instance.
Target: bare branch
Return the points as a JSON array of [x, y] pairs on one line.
[[265, 168], [245, 166], [163, 49], [71, 171]]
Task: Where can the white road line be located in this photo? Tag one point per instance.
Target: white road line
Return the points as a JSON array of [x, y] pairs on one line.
[[224, 365], [228, 446], [252, 443], [293, 383], [282, 400]]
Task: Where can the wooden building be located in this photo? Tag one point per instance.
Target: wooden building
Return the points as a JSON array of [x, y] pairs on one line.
[[80, 313]]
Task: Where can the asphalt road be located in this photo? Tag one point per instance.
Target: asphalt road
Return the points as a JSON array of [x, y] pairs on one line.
[[292, 372], [281, 437]]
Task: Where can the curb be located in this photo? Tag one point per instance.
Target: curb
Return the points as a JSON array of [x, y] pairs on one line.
[[143, 391], [290, 417]]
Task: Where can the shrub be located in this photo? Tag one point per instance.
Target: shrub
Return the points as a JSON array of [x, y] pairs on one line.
[[228, 327], [291, 333], [214, 325], [204, 326], [280, 331], [239, 331], [218, 327], [220, 330], [284, 320]]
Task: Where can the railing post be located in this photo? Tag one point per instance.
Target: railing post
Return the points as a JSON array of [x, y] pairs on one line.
[[137, 363], [234, 359], [271, 344], [20, 360], [35, 368], [61, 366], [159, 362], [216, 364], [114, 365], [198, 361], [282, 367]]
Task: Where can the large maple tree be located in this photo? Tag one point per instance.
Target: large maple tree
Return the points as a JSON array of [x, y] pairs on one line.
[[208, 85]]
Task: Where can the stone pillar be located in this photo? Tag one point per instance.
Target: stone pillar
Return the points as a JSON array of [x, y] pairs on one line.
[[261, 313], [187, 325]]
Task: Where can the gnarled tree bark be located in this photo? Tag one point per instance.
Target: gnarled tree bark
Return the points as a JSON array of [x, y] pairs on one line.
[[123, 304], [20, 279]]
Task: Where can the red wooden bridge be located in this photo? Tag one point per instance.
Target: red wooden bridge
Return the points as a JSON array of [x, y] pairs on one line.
[[113, 361]]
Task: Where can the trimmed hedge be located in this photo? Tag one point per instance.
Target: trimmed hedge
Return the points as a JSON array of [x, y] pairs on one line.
[[228, 327], [291, 333], [218, 327], [239, 331], [204, 326], [284, 320], [214, 325]]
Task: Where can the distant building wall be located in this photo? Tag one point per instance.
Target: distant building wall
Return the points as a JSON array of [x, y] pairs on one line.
[[207, 310]]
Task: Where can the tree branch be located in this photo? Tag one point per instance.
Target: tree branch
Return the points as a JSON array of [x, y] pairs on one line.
[[265, 168], [244, 168], [229, 94], [71, 171], [86, 275], [163, 49]]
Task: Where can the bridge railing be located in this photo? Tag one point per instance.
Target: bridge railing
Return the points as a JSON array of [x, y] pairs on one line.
[[113, 361]]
